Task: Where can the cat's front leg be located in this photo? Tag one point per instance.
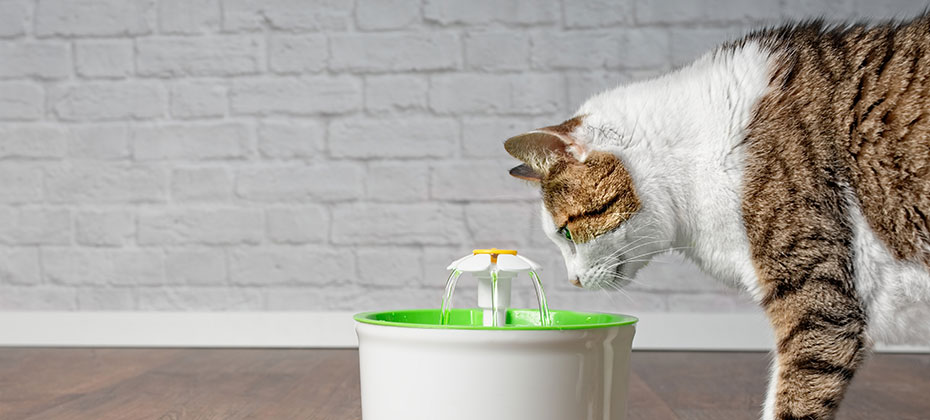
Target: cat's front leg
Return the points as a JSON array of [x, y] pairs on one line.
[[821, 341]]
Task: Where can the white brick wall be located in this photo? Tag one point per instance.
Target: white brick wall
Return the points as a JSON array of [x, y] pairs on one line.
[[313, 155]]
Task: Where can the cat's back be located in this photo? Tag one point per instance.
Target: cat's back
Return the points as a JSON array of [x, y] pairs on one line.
[[856, 99], [844, 135]]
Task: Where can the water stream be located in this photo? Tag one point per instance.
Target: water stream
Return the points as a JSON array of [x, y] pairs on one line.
[[446, 308], [494, 300], [544, 319], [447, 297]]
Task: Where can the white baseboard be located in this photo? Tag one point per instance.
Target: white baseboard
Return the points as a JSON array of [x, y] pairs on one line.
[[656, 331]]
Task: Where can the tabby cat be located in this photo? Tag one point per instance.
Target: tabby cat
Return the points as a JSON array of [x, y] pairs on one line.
[[794, 163]]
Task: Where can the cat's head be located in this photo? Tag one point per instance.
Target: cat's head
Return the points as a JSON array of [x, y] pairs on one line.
[[592, 208]]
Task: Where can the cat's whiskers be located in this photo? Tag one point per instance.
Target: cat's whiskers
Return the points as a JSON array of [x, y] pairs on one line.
[[630, 247]]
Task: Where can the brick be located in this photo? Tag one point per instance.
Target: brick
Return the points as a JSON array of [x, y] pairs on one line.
[[470, 93], [400, 297], [14, 17], [434, 275], [322, 182], [42, 59], [526, 94], [37, 298], [198, 56], [478, 180], [396, 93], [889, 9], [33, 141], [578, 50], [537, 236], [497, 51], [647, 48], [188, 17], [741, 10], [22, 183], [397, 181], [498, 225], [573, 298], [485, 136], [388, 138], [21, 101], [196, 266], [103, 142], [538, 94], [100, 182], [96, 298], [198, 100], [480, 12], [831, 9], [688, 44], [290, 139], [104, 227], [98, 101], [35, 226], [669, 11], [103, 58], [583, 84], [76, 266], [598, 13], [387, 14], [201, 184], [19, 266], [388, 267], [194, 226], [411, 224], [182, 298], [287, 15], [297, 225], [92, 18], [277, 265], [395, 52], [190, 141], [302, 96], [298, 53], [312, 298]]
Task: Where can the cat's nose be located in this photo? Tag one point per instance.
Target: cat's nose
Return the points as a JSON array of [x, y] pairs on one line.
[[576, 282]]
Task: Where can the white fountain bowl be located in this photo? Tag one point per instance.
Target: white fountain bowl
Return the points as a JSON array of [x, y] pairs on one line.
[[413, 369]]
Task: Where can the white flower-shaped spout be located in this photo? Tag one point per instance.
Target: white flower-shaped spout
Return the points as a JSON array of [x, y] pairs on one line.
[[482, 260], [494, 269]]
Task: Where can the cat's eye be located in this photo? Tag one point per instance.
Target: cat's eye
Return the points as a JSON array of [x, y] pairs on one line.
[[567, 233]]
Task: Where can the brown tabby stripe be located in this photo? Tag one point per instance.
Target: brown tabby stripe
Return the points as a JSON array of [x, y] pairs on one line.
[[844, 124], [589, 198]]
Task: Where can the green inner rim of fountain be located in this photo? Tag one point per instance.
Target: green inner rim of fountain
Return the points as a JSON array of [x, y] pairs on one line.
[[473, 319]]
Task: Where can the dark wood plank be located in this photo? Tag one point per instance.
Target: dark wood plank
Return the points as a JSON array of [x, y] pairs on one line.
[[890, 387], [35, 379], [721, 386], [643, 403], [700, 385], [232, 385], [207, 384]]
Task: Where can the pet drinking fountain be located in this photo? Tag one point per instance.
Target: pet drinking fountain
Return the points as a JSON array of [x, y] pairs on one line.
[[494, 362]]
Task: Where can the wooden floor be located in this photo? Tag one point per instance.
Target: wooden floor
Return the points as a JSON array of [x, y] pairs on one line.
[[175, 384]]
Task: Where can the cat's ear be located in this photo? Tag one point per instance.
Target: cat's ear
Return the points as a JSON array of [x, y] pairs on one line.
[[538, 150]]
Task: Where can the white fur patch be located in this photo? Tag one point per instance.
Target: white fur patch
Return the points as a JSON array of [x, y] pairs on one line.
[[896, 293], [680, 137]]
